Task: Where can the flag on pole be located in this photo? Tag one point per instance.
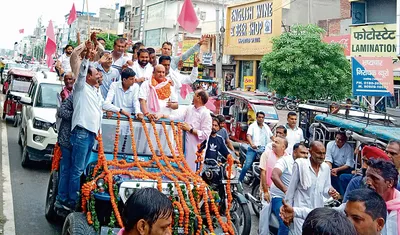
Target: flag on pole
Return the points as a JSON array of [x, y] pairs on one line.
[[72, 15], [188, 18], [51, 47], [21, 31]]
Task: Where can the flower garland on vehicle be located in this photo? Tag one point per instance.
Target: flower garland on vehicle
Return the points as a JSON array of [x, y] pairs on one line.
[[174, 168]]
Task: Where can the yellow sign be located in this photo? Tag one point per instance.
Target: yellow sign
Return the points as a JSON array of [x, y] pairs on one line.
[[187, 44], [251, 26], [373, 40], [249, 83]]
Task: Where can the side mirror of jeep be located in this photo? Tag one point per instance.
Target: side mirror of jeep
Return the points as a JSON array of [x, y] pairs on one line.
[[26, 100]]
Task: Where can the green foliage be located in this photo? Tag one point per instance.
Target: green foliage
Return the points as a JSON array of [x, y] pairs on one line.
[[73, 43], [303, 66], [109, 42]]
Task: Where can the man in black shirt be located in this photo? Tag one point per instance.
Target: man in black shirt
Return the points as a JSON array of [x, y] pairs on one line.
[[216, 143]]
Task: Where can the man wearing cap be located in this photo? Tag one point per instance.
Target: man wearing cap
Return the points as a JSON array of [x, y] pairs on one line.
[[358, 181]]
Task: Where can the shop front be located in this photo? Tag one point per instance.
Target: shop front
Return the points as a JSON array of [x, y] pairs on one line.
[[249, 29]]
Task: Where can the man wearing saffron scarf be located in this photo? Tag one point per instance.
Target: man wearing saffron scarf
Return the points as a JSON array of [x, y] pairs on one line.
[[158, 96]]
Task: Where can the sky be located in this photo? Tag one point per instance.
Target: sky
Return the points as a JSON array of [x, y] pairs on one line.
[[23, 14]]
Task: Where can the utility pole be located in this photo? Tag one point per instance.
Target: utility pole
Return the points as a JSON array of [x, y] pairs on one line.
[[309, 11], [218, 54]]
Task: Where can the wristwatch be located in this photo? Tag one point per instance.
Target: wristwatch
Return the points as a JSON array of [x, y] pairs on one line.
[[120, 110], [191, 131]]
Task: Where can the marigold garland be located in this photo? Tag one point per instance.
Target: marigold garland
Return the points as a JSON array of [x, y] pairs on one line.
[[163, 92], [55, 163], [181, 172]]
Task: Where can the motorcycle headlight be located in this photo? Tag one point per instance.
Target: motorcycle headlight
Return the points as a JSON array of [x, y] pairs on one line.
[[41, 125], [129, 192], [233, 173]]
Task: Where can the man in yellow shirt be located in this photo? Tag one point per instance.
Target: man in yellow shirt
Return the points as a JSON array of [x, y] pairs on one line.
[[2, 65]]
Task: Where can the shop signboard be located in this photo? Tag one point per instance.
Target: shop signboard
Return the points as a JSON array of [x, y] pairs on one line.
[[343, 40], [372, 76], [249, 83], [251, 26], [374, 40]]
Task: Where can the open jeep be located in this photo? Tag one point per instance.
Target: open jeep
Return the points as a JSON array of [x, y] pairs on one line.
[[131, 154]]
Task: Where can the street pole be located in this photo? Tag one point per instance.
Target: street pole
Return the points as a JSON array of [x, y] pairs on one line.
[[176, 46], [218, 54], [309, 11]]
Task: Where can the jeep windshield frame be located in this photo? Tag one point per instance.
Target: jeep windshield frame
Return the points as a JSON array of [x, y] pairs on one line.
[[47, 95], [108, 128]]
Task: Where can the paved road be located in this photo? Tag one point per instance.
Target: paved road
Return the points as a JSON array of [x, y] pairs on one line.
[[29, 187]]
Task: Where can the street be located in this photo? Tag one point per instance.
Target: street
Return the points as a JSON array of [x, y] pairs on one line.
[[29, 186]]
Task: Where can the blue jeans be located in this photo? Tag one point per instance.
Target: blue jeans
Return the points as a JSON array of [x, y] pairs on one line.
[[276, 206], [82, 142], [335, 182], [344, 180], [63, 184], [250, 156]]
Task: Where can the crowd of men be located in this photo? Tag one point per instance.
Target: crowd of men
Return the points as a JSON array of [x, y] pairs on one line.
[[296, 179], [142, 85]]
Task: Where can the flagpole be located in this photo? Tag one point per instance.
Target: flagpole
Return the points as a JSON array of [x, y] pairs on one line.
[[69, 33], [88, 19]]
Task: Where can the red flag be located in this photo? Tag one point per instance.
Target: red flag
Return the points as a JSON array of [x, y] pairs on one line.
[[72, 15], [21, 31], [188, 18], [51, 47]]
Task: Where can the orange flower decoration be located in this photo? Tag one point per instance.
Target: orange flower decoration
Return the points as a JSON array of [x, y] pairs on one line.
[[163, 92]]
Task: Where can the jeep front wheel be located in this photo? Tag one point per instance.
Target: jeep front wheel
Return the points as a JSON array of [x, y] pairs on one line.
[[52, 190], [76, 224]]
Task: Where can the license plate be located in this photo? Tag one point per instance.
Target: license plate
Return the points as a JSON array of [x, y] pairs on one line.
[[232, 181]]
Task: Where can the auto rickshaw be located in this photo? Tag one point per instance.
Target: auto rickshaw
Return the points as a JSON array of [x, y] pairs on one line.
[[240, 108], [17, 85]]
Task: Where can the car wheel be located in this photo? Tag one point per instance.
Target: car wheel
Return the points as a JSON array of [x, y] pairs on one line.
[[76, 224], [19, 137], [25, 162], [52, 190]]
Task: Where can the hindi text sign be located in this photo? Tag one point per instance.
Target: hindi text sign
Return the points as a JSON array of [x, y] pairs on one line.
[[343, 40], [374, 40], [372, 76]]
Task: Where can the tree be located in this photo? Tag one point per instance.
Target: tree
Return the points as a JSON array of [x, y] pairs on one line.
[[109, 40], [303, 66]]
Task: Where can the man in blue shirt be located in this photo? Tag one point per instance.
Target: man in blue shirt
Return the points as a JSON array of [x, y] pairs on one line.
[[215, 143]]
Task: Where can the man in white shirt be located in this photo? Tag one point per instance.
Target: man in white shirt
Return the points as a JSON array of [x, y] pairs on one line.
[[64, 60], [157, 95], [340, 158], [258, 135], [125, 94], [280, 131], [294, 133], [110, 74], [119, 60], [142, 67], [177, 78], [309, 186], [281, 176], [86, 121]]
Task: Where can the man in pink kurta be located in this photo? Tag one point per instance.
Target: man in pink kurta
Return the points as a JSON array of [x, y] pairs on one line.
[[197, 124]]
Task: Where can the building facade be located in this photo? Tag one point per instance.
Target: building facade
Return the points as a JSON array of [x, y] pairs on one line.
[[250, 27]]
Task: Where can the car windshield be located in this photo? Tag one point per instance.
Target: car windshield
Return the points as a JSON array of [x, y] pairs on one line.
[[20, 85], [15, 65], [108, 129], [269, 111], [47, 95]]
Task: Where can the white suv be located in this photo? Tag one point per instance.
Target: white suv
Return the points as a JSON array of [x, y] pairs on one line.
[[38, 133]]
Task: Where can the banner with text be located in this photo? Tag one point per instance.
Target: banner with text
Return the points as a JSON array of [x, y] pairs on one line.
[[372, 76], [250, 27], [374, 40], [343, 40]]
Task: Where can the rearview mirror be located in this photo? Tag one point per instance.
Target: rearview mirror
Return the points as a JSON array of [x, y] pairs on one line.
[[26, 100]]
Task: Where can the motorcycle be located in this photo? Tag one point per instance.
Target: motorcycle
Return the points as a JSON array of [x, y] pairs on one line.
[[292, 104], [280, 103], [216, 176]]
